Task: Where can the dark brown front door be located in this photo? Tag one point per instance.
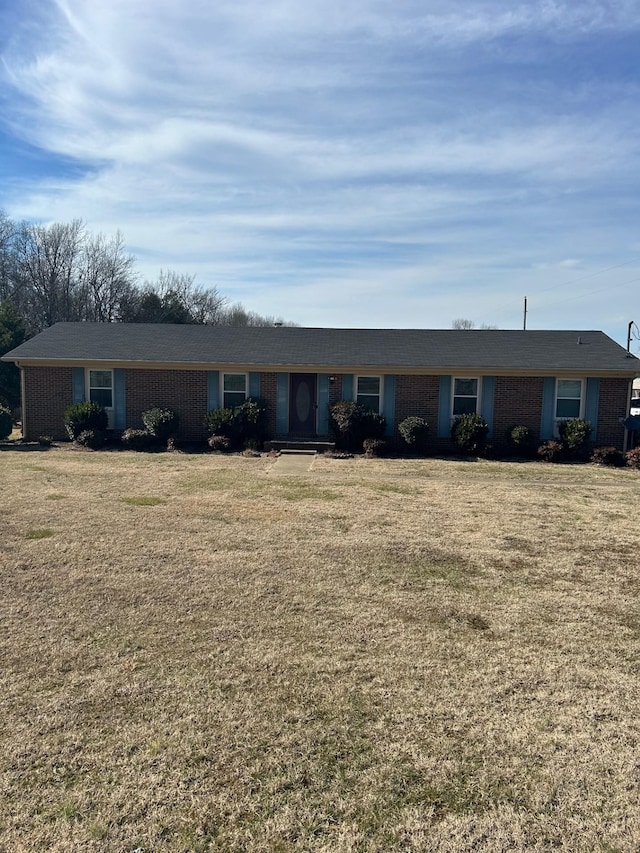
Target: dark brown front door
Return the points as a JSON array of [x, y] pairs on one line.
[[302, 404]]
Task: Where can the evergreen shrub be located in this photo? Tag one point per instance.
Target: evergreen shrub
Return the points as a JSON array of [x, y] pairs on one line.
[[469, 433], [84, 416]]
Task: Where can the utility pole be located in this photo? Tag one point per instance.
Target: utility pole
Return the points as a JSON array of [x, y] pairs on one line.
[[629, 328], [524, 322]]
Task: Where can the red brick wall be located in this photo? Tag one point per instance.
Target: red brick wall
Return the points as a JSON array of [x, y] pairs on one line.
[[417, 396], [517, 402], [48, 392], [184, 391], [268, 392], [613, 404]]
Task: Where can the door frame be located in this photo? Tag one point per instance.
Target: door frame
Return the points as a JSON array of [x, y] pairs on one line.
[[293, 382]]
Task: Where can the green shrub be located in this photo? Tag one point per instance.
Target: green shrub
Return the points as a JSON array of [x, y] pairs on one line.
[[520, 440], [375, 447], [350, 424], [414, 432], [575, 434], [610, 456], [6, 423], [84, 416], [469, 433], [242, 425], [91, 438], [552, 451], [633, 458], [219, 443], [161, 423], [138, 439]]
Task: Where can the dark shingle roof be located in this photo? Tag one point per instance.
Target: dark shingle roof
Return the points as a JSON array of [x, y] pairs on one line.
[[295, 347]]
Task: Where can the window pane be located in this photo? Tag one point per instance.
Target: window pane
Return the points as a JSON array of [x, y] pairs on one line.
[[101, 396], [568, 409], [369, 401], [368, 385], [233, 398], [569, 388], [100, 378], [464, 406], [235, 382], [466, 387]]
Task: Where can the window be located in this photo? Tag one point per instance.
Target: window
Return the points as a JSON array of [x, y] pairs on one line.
[[234, 389], [101, 388], [368, 392], [568, 399], [465, 396]]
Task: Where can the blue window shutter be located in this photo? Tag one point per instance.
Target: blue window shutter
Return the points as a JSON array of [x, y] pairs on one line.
[[347, 386], [444, 407], [389, 403], [548, 407], [78, 384], [486, 403], [213, 389], [591, 405], [323, 404], [254, 385], [282, 404], [119, 399]]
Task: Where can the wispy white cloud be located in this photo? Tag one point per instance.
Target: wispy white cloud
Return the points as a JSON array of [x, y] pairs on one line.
[[344, 160]]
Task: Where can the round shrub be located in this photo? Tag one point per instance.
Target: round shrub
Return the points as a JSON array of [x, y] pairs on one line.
[[219, 443], [374, 447], [6, 423], [633, 458], [575, 434], [161, 423], [415, 434], [469, 433], [350, 424], [91, 438], [242, 425], [84, 416], [610, 456], [520, 440], [551, 451], [138, 439]]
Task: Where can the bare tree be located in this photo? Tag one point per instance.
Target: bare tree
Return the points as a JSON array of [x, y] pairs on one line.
[[461, 323], [47, 267], [107, 277]]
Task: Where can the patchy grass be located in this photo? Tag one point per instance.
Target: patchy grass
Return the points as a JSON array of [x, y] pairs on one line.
[[144, 501], [378, 655], [39, 533]]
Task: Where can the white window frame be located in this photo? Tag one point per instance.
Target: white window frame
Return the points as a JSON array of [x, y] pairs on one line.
[[558, 420], [88, 386], [222, 390], [356, 381], [478, 395]]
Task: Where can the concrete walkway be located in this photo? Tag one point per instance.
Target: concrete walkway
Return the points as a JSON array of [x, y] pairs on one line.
[[290, 463]]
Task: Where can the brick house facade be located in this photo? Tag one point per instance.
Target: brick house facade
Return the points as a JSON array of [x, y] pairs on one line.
[[511, 378]]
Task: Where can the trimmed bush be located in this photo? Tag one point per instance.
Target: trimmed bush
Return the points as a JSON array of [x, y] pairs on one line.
[[219, 443], [91, 438], [575, 435], [633, 458], [350, 424], [375, 447], [414, 432], [84, 416], [161, 423], [138, 439], [244, 424], [6, 423], [469, 433], [610, 456], [520, 440], [551, 451]]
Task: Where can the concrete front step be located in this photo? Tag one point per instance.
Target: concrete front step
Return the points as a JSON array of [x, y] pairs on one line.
[[299, 446]]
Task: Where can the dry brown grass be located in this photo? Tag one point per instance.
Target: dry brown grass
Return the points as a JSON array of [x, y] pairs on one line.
[[374, 656]]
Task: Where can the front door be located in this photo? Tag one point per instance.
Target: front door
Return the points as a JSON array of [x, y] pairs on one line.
[[302, 404]]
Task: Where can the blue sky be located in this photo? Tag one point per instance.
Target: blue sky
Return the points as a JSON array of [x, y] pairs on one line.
[[342, 162]]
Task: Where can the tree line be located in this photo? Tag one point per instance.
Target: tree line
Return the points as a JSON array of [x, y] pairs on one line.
[[64, 272]]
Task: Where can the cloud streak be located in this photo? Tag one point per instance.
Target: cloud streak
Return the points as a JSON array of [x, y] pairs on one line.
[[340, 163]]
